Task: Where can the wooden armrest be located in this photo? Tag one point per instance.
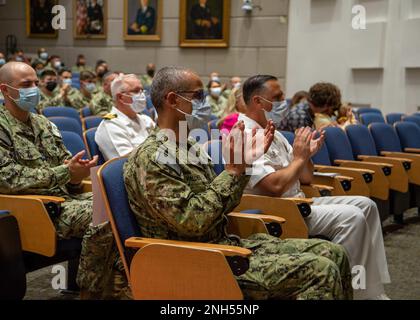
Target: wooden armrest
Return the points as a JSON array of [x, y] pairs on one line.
[[264, 217], [381, 164], [412, 150], [44, 199], [343, 170], [37, 232], [300, 200], [87, 186], [322, 187], [227, 251], [384, 159], [344, 178], [295, 226]]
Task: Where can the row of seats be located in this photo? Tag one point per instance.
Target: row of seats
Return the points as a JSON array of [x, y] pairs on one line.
[[368, 116]]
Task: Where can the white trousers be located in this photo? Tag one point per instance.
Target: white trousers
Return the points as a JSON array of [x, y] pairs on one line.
[[354, 223]]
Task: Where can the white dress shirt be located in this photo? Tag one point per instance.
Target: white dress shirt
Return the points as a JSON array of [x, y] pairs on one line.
[[280, 155], [120, 136]]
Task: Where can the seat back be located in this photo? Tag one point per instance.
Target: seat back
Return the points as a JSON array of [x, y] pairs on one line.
[[214, 149], [74, 143], [338, 145], [290, 136], [86, 112], [409, 134], [368, 118], [393, 118], [75, 80], [361, 141], [67, 124], [386, 138], [123, 222], [92, 122], [66, 112], [368, 110], [92, 146], [413, 119]]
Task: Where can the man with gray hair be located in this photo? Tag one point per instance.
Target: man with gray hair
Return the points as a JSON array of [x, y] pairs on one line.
[[124, 128], [182, 201]]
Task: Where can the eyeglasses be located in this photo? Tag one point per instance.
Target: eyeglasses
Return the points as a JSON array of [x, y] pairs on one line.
[[197, 95]]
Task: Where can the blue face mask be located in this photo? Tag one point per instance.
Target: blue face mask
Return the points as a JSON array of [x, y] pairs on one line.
[[44, 55], [67, 81], [90, 87], [28, 98], [278, 113], [201, 113], [2, 62]]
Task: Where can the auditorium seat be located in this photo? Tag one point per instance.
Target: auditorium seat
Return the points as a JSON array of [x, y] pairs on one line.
[[146, 260], [67, 124], [66, 112], [413, 119], [91, 122], [394, 117], [93, 149], [74, 143], [409, 134], [85, 112], [368, 118]]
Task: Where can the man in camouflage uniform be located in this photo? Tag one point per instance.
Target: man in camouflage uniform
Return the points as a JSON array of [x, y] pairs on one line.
[[34, 160], [102, 103], [51, 94], [179, 201], [78, 99]]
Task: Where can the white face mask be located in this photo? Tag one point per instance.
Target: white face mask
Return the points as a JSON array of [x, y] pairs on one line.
[[200, 116], [278, 112], [216, 92], [139, 102]]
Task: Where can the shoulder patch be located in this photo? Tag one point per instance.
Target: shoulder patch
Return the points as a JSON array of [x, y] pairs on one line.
[[110, 116], [55, 131]]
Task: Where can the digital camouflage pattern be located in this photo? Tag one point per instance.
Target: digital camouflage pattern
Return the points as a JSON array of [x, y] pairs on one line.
[[77, 100], [55, 100], [188, 202], [32, 159], [101, 104]]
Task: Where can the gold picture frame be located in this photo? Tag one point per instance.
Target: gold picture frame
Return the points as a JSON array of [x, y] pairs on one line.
[[151, 29], [89, 22], [39, 19], [204, 33]]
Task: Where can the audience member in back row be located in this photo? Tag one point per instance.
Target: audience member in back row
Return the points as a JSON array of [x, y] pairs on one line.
[[300, 97], [147, 78], [340, 117], [124, 129], [84, 96], [235, 106], [81, 65], [322, 96], [215, 99], [101, 103], [51, 94], [101, 70], [34, 160]]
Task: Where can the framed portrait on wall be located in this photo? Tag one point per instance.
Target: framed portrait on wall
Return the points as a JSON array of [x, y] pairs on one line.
[[204, 23], [143, 20], [39, 18], [90, 19]]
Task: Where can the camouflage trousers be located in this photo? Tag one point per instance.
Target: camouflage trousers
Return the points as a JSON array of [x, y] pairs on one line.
[[295, 269], [98, 253]]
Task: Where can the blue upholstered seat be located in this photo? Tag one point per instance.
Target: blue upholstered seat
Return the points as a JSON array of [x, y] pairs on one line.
[[66, 112], [368, 118], [67, 124], [409, 134], [92, 146]]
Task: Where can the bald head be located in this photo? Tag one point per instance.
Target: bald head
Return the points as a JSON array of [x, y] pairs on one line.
[[18, 75], [173, 79]]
